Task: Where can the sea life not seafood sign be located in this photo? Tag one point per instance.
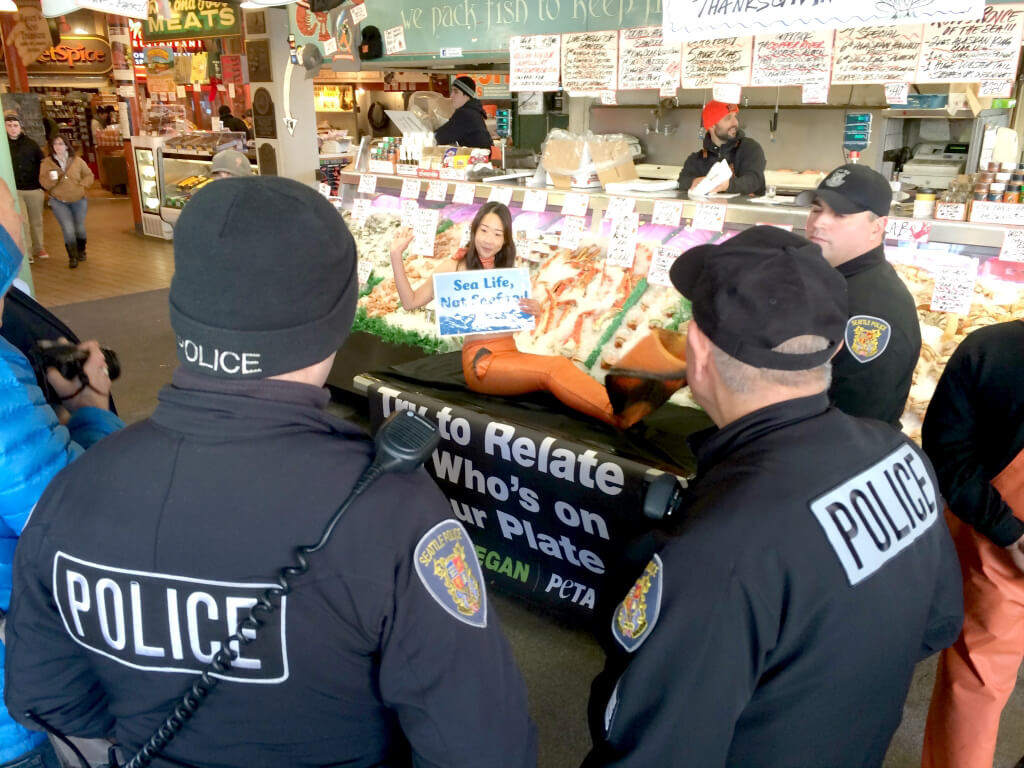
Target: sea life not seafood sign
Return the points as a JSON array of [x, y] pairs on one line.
[[708, 19]]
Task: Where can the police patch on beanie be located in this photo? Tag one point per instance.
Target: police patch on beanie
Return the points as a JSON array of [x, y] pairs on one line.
[[264, 279]]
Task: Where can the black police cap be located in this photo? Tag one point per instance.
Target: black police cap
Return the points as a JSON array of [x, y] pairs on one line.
[[760, 288], [852, 188]]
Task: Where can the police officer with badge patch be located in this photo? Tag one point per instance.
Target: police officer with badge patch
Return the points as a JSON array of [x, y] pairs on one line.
[[781, 619], [872, 374], [138, 562]]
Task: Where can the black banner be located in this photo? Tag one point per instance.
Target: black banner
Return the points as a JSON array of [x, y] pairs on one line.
[[551, 519]]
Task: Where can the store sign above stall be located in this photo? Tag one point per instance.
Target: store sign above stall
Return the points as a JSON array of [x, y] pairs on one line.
[[708, 19], [77, 55], [192, 19]]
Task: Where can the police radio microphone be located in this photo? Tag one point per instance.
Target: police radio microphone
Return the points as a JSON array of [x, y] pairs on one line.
[[403, 443]]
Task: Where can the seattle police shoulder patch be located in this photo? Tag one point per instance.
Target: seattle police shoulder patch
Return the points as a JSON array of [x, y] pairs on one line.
[[638, 612], [867, 337], [446, 563]]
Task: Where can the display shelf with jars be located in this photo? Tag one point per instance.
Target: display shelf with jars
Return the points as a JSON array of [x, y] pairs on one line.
[[185, 166]]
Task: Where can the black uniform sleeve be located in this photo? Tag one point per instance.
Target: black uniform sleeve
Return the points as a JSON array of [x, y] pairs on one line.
[[866, 389], [46, 671], [678, 701], [691, 170], [952, 439], [749, 171], [454, 685], [946, 613]]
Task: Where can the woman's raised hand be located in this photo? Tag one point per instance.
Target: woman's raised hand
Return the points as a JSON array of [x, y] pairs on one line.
[[401, 241]]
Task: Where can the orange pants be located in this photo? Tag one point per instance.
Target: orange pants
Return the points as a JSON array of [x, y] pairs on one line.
[[497, 367], [977, 674]]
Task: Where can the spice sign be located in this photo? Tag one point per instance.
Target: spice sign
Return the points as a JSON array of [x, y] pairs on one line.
[[191, 19], [482, 301], [708, 19]]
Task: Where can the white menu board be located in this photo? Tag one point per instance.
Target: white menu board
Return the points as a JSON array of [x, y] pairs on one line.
[[589, 61], [726, 60], [647, 61], [972, 51], [792, 58], [877, 54], [534, 62]]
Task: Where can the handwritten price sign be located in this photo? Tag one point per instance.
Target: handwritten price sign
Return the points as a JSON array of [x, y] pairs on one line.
[[661, 263], [1013, 245], [367, 184], [575, 204], [709, 216], [535, 200], [667, 212], [622, 244], [410, 188], [619, 206], [360, 211], [572, 232], [501, 195], [359, 13], [951, 211], [954, 288], [425, 231], [409, 210], [908, 229], [728, 93], [363, 271], [996, 88], [464, 194], [325, 189], [897, 93], [814, 93], [437, 190]]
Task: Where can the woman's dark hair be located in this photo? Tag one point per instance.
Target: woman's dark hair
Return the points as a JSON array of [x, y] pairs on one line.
[[506, 257], [49, 146]]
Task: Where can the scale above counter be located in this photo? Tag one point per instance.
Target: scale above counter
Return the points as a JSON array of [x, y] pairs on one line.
[[935, 165]]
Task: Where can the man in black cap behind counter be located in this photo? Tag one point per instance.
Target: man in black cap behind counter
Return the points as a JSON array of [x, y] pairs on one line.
[[466, 127], [780, 622], [874, 371], [136, 565]]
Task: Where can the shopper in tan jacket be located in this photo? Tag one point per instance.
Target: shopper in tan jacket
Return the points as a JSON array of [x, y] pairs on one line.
[[67, 177]]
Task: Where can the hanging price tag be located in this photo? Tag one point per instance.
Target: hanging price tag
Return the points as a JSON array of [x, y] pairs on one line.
[[951, 211], [424, 231], [661, 262], [325, 189], [535, 200], [608, 98], [363, 271], [178, 90], [575, 204], [464, 194], [729, 93], [1013, 245], [668, 90], [667, 212], [709, 216], [954, 288], [330, 46], [814, 93], [500, 195], [908, 229], [622, 243], [409, 209], [897, 93], [367, 183], [437, 190], [619, 206], [572, 232], [410, 188], [360, 211], [358, 13], [998, 89], [464, 240], [525, 252]]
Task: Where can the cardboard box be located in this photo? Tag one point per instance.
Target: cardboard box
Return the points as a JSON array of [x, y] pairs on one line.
[[581, 164], [614, 161], [565, 160]]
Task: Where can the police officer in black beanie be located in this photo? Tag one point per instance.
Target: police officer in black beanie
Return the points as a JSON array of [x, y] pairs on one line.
[[466, 126], [780, 622], [136, 565]]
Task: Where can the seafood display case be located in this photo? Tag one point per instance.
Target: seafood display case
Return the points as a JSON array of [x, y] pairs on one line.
[[594, 311]]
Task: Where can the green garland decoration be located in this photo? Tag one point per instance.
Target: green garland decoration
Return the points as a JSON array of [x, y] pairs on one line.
[[444, 225], [372, 283], [613, 326], [683, 312], [380, 328]]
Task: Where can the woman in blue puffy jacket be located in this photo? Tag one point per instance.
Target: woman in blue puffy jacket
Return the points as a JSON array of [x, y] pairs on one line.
[[34, 447]]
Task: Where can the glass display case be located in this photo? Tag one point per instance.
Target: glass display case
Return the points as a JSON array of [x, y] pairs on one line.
[[146, 154], [185, 164]]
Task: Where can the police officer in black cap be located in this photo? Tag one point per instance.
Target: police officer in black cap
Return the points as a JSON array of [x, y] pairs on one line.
[[136, 566], [873, 372], [780, 622]]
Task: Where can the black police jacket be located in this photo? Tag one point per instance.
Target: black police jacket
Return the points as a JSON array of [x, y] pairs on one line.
[[744, 155], [974, 427], [26, 158], [780, 626], [138, 561], [873, 372], [466, 127]]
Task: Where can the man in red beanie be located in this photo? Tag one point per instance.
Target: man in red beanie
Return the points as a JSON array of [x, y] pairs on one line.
[[724, 140]]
